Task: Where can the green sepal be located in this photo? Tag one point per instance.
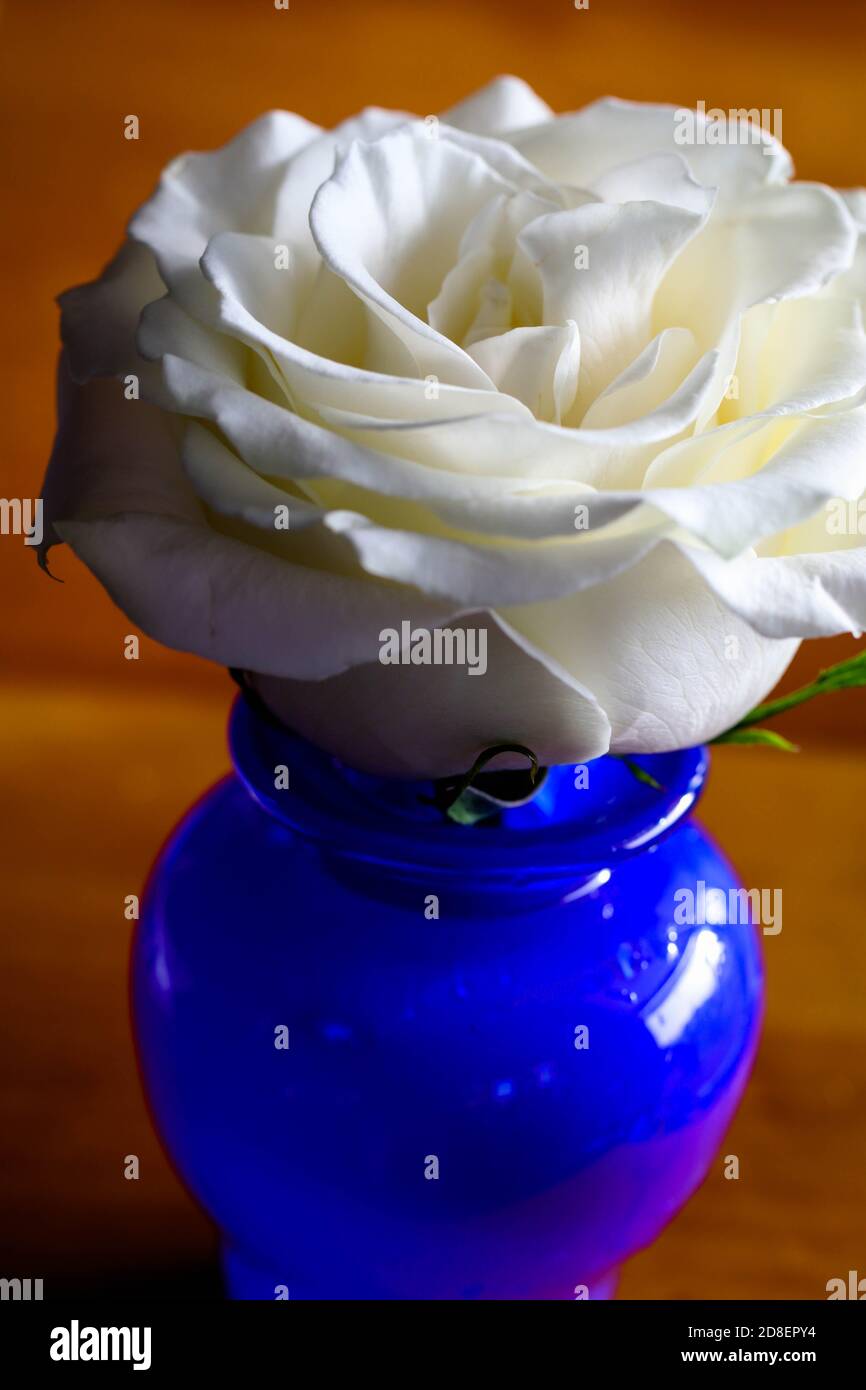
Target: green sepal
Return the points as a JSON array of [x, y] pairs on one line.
[[845, 675], [766, 736], [639, 773]]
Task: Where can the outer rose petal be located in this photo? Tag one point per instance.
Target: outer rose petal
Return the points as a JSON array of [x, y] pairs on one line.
[[199, 591], [200, 194], [111, 455], [433, 721], [98, 320], [817, 595], [669, 663], [117, 494]]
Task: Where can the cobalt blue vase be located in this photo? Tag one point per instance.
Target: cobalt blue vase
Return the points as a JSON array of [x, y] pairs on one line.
[[398, 1058]]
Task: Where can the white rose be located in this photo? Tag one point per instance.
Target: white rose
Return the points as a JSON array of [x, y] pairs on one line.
[[560, 378]]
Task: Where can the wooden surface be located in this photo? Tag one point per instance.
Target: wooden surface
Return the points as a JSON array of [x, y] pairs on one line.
[[101, 755]]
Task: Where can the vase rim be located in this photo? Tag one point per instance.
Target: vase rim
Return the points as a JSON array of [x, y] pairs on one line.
[[393, 823]]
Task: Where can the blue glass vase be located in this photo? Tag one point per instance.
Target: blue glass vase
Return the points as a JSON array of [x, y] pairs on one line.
[[398, 1058]]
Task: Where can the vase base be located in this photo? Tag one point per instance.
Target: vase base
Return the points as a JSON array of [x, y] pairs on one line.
[[246, 1280]]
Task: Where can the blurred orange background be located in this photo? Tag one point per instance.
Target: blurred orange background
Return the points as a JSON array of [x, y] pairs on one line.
[[102, 754]]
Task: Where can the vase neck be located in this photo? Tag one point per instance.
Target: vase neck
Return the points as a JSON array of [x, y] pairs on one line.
[[582, 821]]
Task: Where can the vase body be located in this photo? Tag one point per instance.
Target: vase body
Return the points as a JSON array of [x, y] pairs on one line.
[[400, 1059]]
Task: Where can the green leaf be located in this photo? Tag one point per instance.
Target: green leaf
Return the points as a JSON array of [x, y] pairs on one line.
[[846, 675], [765, 736], [465, 811], [640, 773]]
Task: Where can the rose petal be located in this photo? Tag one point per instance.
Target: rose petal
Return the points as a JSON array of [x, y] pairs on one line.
[[390, 221], [98, 320], [581, 147], [200, 194], [378, 717], [539, 366], [506, 103], [628, 249], [669, 663]]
